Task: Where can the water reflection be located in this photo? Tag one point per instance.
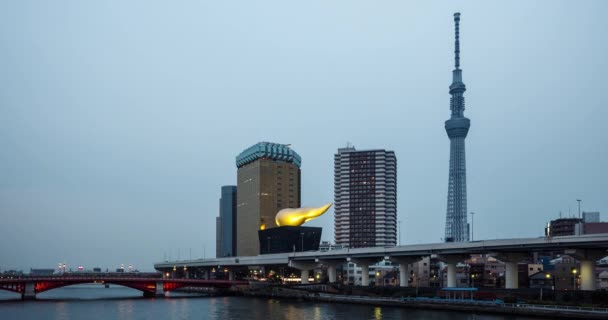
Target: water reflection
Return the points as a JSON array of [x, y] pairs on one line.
[[65, 304], [377, 313]]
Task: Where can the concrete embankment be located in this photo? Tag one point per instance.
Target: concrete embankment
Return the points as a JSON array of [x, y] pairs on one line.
[[547, 312]]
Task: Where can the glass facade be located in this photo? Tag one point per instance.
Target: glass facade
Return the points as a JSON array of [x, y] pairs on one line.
[[228, 221]]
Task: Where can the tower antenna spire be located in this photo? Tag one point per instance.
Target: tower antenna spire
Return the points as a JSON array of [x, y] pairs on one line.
[[457, 40]]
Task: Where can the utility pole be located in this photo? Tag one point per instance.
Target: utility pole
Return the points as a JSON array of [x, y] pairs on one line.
[[399, 222], [472, 224]]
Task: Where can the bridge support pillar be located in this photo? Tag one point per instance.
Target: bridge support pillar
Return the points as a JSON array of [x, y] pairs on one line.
[[29, 292], [364, 265], [404, 263], [304, 276], [403, 279], [451, 262], [231, 275], [304, 267], [331, 273], [452, 275], [587, 257], [587, 275], [160, 289], [364, 275], [331, 269], [511, 273]]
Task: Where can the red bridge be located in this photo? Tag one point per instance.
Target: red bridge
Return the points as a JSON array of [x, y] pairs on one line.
[[28, 287]]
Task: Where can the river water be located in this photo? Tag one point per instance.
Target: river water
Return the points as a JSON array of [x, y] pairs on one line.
[[96, 302]]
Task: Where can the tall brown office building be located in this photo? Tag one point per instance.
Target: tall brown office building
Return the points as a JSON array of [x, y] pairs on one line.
[[268, 180]]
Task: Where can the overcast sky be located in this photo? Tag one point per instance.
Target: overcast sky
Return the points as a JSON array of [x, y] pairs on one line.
[[121, 120]]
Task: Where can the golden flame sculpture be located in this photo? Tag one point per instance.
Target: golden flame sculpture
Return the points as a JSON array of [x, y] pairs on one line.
[[296, 217]]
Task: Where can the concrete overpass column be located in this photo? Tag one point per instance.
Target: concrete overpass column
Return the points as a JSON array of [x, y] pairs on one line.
[[29, 292], [304, 267], [331, 273], [452, 275], [511, 275], [404, 262], [451, 261], [403, 278], [231, 275], [587, 257], [304, 276], [587, 275], [364, 275], [364, 265], [331, 268]]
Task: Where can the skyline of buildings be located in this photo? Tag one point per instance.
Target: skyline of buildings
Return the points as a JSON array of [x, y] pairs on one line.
[[457, 128], [365, 198]]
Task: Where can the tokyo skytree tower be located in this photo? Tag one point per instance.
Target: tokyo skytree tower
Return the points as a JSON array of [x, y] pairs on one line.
[[457, 127]]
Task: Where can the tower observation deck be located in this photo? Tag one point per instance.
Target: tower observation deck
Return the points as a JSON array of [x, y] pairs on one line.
[[457, 127]]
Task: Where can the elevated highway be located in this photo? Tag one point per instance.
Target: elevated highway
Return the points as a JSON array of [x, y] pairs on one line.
[[586, 248]]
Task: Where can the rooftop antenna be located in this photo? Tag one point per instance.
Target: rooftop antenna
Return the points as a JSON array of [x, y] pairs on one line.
[[457, 44]]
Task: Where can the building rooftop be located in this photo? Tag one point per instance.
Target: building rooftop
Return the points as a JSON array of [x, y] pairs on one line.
[[268, 150]]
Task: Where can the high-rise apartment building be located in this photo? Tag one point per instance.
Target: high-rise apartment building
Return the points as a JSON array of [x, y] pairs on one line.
[[226, 223], [365, 198], [457, 128], [268, 180]]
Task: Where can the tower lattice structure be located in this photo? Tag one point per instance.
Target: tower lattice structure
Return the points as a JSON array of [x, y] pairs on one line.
[[457, 127]]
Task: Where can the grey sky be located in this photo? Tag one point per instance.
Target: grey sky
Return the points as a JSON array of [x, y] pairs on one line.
[[121, 120]]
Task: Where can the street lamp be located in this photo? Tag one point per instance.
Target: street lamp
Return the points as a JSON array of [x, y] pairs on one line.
[[548, 277], [399, 222], [574, 272], [472, 220]]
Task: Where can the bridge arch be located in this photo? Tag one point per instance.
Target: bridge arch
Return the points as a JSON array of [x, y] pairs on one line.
[[151, 287]]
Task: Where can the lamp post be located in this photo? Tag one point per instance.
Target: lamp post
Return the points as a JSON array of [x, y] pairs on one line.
[[399, 223], [574, 272], [472, 224]]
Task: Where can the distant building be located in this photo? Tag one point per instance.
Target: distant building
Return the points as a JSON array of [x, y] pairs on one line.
[[226, 223], [541, 279], [42, 272], [594, 227], [365, 196], [425, 272], [327, 246], [603, 280], [268, 180], [591, 217], [218, 237], [563, 226], [565, 277]]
